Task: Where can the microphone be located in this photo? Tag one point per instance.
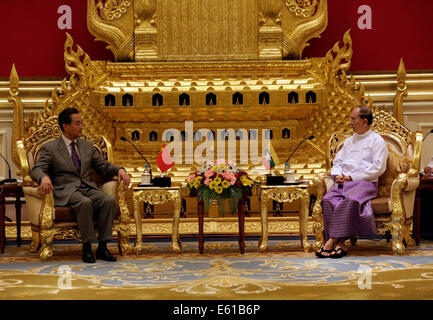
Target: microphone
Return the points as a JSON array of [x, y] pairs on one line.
[[9, 169], [309, 138], [427, 134], [150, 168]]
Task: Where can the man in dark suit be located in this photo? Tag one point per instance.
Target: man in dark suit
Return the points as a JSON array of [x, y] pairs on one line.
[[64, 168]]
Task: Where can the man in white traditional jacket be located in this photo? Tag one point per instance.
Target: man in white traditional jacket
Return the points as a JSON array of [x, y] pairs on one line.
[[346, 208]]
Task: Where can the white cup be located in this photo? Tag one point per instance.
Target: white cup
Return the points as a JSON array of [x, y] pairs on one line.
[[290, 177], [145, 178]]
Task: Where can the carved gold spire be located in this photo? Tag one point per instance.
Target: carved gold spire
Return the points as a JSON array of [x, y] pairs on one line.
[[112, 23], [14, 80], [305, 20], [344, 94], [18, 114], [73, 92], [401, 92]]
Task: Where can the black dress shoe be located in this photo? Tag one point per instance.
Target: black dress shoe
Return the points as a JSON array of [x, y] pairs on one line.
[[88, 257], [104, 254]]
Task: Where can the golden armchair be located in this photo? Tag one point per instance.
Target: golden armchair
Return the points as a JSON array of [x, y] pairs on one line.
[[48, 221], [393, 208]]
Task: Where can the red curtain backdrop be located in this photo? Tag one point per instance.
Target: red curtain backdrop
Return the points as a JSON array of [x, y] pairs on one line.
[[31, 39]]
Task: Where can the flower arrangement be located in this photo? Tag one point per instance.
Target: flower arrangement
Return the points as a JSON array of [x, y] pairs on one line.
[[220, 180]]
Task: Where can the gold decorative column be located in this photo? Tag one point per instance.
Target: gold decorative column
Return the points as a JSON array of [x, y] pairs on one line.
[[146, 43], [270, 33]]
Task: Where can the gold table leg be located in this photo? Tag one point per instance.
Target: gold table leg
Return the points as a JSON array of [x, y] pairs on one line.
[[176, 243], [284, 194], [263, 242], [157, 196], [138, 227], [303, 222]]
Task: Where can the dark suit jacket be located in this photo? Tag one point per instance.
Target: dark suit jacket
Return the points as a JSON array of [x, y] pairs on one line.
[[56, 162]]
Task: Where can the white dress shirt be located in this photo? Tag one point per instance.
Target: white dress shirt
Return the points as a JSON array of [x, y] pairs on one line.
[[363, 157], [68, 145]]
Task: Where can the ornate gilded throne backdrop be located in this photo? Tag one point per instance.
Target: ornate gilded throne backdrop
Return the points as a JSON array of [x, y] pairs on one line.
[[219, 64]]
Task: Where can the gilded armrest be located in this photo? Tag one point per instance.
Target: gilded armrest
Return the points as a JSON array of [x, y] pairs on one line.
[[110, 188], [120, 190], [329, 183], [413, 180], [33, 203], [117, 191], [33, 192], [403, 191], [46, 213], [321, 184], [412, 184]]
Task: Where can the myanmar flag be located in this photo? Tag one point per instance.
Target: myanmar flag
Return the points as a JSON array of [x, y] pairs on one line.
[[164, 160], [270, 158]]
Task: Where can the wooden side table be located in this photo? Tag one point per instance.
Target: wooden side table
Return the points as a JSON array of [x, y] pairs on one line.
[[152, 196], [241, 224], [10, 190], [285, 193], [425, 184]]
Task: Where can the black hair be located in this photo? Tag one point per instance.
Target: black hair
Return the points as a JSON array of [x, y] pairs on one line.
[[365, 113], [65, 117]]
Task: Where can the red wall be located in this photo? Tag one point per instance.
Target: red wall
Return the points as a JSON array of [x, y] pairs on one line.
[[401, 28]]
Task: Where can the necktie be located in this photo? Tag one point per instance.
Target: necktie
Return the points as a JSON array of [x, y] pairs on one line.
[[75, 157]]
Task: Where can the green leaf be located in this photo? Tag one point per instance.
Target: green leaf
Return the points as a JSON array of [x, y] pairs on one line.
[[233, 203], [236, 193], [222, 206], [207, 204], [231, 195]]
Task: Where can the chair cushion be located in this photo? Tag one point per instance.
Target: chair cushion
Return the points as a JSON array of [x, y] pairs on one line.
[[396, 164], [66, 214], [382, 205]]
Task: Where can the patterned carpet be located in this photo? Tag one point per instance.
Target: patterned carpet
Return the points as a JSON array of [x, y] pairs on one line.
[[285, 272]]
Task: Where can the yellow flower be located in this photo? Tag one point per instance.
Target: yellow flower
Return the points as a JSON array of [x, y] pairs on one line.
[[219, 189], [245, 181], [197, 181], [212, 185], [214, 168], [217, 180], [225, 184]]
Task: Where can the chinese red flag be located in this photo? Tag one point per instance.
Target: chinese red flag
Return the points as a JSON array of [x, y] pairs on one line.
[[164, 160]]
